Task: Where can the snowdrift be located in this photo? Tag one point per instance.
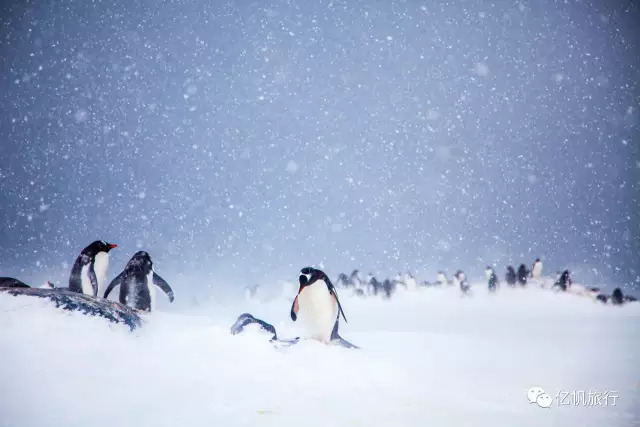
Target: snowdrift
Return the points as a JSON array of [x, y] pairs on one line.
[[427, 357]]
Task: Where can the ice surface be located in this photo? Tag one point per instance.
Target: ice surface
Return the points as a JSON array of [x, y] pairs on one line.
[[427, 358]]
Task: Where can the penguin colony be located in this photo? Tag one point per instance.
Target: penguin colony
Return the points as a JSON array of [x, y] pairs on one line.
[[521, 277], [316, 303]]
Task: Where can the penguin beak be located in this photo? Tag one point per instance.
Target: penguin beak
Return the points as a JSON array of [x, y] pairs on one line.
[[112, 245]]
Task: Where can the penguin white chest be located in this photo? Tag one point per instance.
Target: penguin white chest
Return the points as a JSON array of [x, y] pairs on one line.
[[537, 270], [100, 266], [318, 310], [85, 281], [152, 291]]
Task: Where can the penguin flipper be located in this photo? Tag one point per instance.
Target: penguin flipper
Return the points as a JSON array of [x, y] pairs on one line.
[[333, 292], [294, 309], [94, 281], [115, 282], [162, 284]]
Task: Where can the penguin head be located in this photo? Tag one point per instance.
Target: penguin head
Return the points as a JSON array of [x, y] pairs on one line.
[[460, 275], [309, 275], [141, 260], [510, 269], [99, 246]]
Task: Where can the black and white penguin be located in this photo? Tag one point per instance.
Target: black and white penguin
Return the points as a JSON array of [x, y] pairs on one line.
[[398, 282], [317, 304], [388, 287], [511, 277], [563, 282], [523, 273], [536, 270], [89, 272], [373, 285], [460, 279], [48, 285], [354, 279], [492, 278], [616, 297], [343, 281], [10, 282], [410, 281], [441, 279], [137, 283]]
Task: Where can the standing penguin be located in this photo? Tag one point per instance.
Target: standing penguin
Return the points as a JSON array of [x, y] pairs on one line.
[[563, 282], [492, 278], [137, 283], [461, 279], [511, 277], [536, 270], [89, 272], [317, 303], [522, 274], [441, 279]]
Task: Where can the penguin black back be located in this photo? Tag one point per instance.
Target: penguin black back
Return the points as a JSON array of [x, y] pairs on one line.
[[616, 297], [523, 273], [564, 281], [137, 283], [511, 277], [492, 279]]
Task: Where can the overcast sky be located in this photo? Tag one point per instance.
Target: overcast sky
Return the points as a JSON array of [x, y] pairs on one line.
[[241, 141]]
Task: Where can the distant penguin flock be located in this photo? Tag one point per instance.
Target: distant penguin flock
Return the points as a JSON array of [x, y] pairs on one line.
[[522, 277]]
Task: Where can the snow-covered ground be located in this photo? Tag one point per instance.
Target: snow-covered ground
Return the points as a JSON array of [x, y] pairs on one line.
[[427, 358]]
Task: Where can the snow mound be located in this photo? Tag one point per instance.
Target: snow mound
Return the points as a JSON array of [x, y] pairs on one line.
[[427, 357]]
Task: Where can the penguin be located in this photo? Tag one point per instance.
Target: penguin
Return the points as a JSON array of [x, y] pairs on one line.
[[441, 279], [511, 277], [399, 281], [89, 272], [343, 281], [10, 282], [492, 278], [563, 282], [388, 287], [460, 279], [616, 297], [536, 270], [137, 283], [410, 282], [317, 303], [354, 279], [373, 286], [48, 285], [522, 274]]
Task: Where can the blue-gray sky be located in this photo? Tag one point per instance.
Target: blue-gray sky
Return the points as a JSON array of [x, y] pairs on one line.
[[246, 140]]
